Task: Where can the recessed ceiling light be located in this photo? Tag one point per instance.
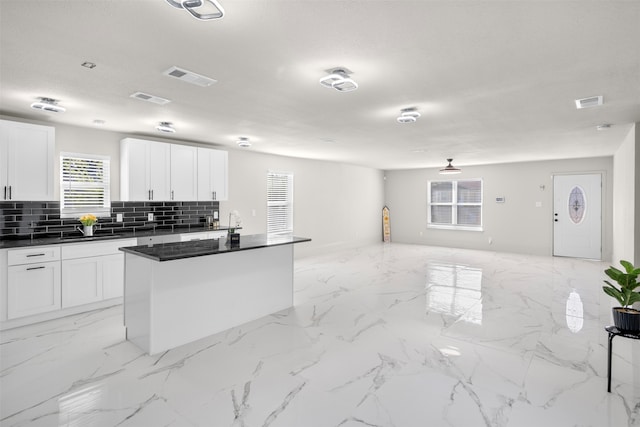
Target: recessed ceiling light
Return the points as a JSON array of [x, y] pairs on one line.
[[89, 65], [339, 80], [49, 105], [408, 115], [592, 101], [165, 127], [243, 142], [604, 126], [99, 122]]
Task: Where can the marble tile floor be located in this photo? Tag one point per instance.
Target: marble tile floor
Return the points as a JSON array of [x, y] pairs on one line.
[[386, 335]]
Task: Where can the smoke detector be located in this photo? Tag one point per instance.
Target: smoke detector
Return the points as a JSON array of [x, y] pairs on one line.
[[592, 101], [189, 77], [48, 104]]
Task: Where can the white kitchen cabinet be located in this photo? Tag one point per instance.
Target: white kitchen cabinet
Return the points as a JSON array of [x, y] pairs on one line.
[[145, 170], [184, 172], [81, 281], [212, 174], [26, 161], [92, 272], [33, 281]]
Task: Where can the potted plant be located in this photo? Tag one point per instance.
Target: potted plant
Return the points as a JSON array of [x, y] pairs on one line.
[[625, 318], [88, 221]]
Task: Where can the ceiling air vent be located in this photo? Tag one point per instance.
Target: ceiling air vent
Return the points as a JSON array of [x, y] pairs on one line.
[[593, 101], [149, 98], [189, 77]]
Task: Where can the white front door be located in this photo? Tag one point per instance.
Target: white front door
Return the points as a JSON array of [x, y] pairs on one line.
[[577, 215]]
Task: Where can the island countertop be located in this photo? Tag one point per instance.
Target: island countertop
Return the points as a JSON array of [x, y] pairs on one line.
[[180, 250]]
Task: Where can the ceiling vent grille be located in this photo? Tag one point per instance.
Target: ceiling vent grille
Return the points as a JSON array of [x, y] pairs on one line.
[[189, 77], [150, 98], [593, 101]]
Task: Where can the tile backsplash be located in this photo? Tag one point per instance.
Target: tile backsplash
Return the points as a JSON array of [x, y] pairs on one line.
[[20, 220]]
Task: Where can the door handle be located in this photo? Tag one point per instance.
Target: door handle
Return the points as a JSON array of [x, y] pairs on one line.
[[35, 268], [9, 192], [171, 194], [149, 196], [5, 192], [555, 220], [215, 196], [30, 255]]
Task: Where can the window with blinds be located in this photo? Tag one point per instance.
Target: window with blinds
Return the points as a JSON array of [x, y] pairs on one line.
[[455, 204], [84, 185], [279, 202]]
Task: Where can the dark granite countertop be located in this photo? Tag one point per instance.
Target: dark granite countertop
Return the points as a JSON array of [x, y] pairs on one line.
[[98, 237], [181, 250]]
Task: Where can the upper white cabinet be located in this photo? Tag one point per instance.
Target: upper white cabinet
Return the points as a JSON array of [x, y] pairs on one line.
[[145, 170], [184, 172], [212, 174], [157, 171], [26, 161]]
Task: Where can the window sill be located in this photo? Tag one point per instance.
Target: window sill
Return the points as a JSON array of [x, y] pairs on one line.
[[454, 227]]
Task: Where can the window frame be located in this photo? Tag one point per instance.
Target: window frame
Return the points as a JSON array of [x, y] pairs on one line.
[[105, 184], [287, 204], [454, 205]]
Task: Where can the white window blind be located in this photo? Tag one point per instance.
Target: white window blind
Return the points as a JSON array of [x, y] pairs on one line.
[[455, 204], [84, 185], [279, 202]]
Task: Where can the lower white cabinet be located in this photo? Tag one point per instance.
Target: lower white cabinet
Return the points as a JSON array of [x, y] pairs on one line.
[[92, 272], [33, 289]]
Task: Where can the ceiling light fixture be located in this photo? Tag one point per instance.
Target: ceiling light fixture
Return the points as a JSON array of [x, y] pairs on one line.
[[604, 126], [191, 5], [99, 122], [408, 115], [450, 169], [339, 80], [165, 127], [89, 65], [48, 104], [243, 142]]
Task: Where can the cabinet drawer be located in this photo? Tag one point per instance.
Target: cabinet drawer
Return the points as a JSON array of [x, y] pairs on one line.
[[186, 237], [153, 240], [33, 255], [91, 249]]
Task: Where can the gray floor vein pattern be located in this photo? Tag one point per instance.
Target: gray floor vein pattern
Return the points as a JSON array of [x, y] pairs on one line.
[[387, 335]]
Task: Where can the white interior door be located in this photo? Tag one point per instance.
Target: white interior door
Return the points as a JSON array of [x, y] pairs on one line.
[[577, 216]]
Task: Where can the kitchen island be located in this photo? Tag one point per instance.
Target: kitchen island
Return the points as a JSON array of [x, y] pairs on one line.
[[176, 293]]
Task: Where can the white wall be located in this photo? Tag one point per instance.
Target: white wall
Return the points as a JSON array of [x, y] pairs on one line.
[[336, 205], [514, 226], [626, 199]]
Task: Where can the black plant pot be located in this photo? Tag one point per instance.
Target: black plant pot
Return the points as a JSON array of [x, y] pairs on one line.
[[626, 319], [234, 240]]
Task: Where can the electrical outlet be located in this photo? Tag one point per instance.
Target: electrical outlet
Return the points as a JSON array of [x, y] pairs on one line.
[[119, 217], [150, 216]]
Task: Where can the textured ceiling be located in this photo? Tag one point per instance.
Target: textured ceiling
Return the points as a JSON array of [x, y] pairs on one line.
[[494, 81]]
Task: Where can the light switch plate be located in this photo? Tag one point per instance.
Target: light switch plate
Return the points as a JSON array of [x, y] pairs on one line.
[[119, 217], [215, 215], [150, 216]]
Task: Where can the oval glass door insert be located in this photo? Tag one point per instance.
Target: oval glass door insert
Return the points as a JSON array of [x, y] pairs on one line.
[[577, 205]]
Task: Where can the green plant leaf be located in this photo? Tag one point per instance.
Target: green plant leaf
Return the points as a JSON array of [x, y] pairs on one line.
[[627, 266], [614, 293], [633, 298]]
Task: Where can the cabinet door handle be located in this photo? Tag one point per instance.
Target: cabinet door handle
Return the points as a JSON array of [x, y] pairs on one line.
[[171, 194], [35, 268], [149, 195], [30, 255], [9, 192], [5, 192], [215, 196]]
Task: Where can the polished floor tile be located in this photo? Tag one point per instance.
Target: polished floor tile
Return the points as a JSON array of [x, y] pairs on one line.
[[388, 335]]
